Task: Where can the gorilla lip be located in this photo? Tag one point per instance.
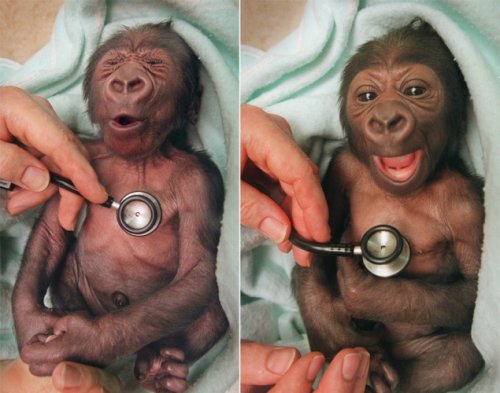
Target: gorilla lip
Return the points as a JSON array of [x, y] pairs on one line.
[[124, 121], [399, 168]]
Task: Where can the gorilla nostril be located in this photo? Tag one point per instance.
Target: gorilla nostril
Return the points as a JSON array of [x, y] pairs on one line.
[[117, 85], [375, 126], [396, 123], [135, 85]]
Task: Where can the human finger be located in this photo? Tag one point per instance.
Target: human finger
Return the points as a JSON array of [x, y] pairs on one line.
[[259, 211], [42, 130], [22, 168], [255, 119], [266, 143], [308, 207], [265, 364], [69, 377], [347, 373], [70, 205], [15, 377], [21, 200], [301, 376]]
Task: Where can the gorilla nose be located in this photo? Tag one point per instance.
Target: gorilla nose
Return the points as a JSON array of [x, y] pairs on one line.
[[390, 119], [129, 81]]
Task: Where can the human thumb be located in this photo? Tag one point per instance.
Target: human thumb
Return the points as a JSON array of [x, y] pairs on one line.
[[260, 212], [21, 168], [78, 378]]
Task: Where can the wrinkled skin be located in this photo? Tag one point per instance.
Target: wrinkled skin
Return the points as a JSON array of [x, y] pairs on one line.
[[394, 171], [115, 294]]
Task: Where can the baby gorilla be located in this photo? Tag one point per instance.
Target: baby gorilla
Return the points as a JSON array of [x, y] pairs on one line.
[[403, 105], [115, 294]]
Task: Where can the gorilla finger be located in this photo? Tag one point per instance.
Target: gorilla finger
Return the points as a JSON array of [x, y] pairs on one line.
[[179, 370], [172, 384], [147, 365], [42, 369], [391, 376], [379, 386], [173, 353]]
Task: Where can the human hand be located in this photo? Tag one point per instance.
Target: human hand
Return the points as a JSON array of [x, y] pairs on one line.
[[265, 365], [68, 377], [32, 141], [270, 155]]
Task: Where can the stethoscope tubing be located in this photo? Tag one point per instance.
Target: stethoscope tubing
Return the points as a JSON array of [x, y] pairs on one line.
[[381, 266], [339, 249], [64, 183], [137, 196]]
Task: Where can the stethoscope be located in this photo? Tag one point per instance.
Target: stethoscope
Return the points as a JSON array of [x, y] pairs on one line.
[[384, 251], [138, 213]]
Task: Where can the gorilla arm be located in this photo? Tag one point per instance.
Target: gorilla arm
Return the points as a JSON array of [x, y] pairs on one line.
[[44, 252]]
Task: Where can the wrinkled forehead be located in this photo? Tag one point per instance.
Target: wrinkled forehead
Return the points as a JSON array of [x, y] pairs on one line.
[[396, 72], [138, 40]]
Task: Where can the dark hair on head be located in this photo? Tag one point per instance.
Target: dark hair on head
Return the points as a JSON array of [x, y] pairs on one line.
[[162, 36], [417, 42]]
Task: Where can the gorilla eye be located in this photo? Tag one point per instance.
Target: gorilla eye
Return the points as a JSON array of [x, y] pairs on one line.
[[415, 91], [154, 61], [113, 62], [367, 96]]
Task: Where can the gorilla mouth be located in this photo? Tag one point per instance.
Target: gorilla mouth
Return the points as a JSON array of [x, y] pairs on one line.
[[400, 168], [125, 121]]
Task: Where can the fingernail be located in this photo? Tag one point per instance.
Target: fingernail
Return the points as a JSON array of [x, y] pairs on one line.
[[315, 367], [273, 229], [354, 364], [280, 360], [71, 376], [35, 179]]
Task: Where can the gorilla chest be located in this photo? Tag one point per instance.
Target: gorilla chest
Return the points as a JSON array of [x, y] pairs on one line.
[[112, 260], [418, 221]]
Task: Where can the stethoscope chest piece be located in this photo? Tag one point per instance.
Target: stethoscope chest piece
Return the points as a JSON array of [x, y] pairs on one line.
[[139, 213], [385, 252]]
